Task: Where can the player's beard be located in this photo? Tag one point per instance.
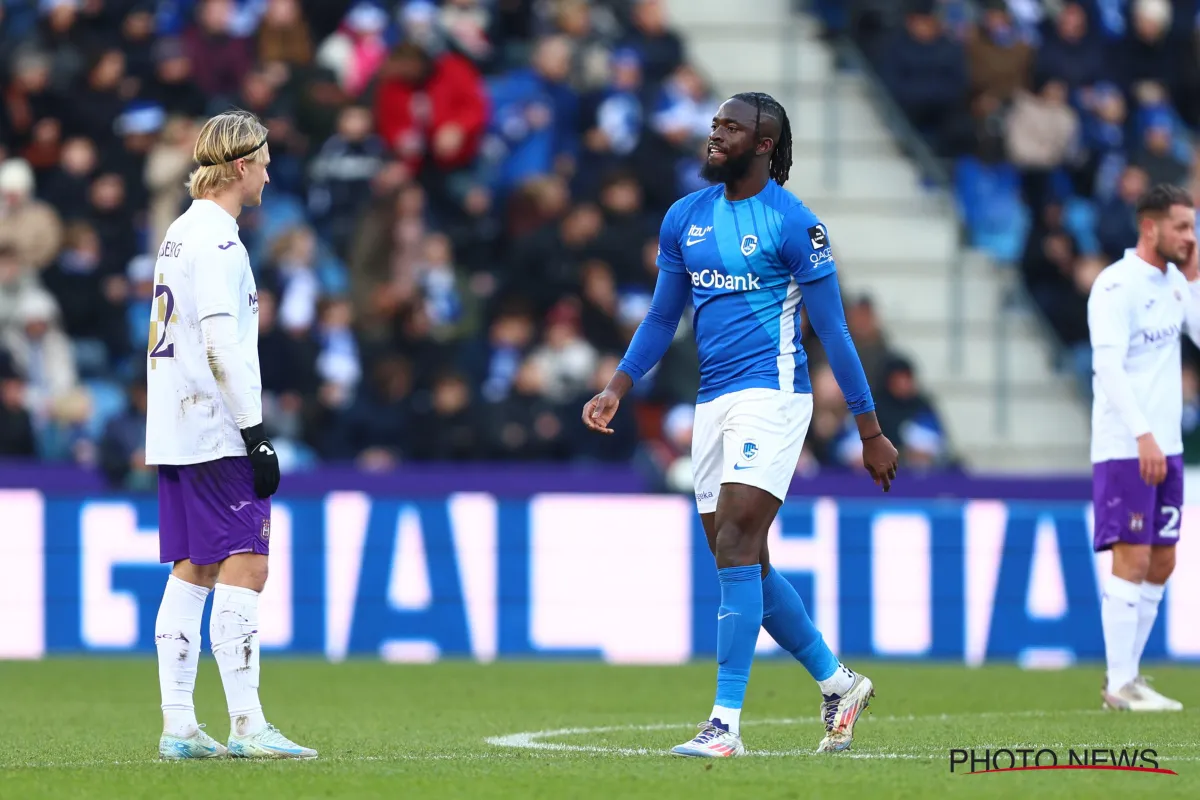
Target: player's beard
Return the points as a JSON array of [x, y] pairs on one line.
[[1178, 259], [733, 170]]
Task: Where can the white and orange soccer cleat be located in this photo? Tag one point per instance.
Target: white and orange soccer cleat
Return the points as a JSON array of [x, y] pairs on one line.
[[713, 741], [840, 712]]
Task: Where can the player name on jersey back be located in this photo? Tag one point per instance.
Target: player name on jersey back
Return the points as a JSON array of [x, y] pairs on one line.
[[747, 261], [201, 270], [1140, 310]]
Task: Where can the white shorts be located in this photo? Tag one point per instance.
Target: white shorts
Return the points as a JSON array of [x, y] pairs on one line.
[[753, 437]]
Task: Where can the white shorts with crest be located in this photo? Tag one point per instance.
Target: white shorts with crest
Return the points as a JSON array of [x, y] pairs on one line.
[[753, 437]]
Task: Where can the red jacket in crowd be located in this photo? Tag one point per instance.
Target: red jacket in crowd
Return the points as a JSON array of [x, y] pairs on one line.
[[442, 118]]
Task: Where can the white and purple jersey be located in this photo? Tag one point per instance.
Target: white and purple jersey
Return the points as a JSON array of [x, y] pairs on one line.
[[1138, 312], [202, 270]]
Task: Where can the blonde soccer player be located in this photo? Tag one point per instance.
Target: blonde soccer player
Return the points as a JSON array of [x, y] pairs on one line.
[[216, 468]]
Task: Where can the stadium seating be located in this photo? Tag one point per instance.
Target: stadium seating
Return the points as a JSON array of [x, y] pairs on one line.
[[517, 265], [1118, 79]]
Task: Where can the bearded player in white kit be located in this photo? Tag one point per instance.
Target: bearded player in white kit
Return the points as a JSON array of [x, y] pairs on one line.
[[1136, 311], [216, 468]]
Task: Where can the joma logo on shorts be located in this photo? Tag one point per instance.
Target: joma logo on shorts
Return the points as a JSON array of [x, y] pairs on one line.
[[711, 279]]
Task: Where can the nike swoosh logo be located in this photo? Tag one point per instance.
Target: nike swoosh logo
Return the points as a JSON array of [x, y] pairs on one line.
[[691, 242], [240, 505], [744, 466], [730, 614], [226, 246]]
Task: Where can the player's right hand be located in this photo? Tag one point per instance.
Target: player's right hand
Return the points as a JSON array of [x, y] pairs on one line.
[[600, 410], [1151, 462], [263, 460]]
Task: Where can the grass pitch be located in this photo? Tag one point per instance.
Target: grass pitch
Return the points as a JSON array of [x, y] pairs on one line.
[[89, 728]]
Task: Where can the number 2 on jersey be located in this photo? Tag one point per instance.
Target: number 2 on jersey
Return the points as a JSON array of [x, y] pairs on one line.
[[164, 315], [1171, 529]]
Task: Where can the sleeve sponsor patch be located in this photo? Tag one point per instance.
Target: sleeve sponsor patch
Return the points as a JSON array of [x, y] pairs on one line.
[[818, 237]]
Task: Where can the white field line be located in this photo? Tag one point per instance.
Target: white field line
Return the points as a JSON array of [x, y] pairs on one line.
[[527, 744]]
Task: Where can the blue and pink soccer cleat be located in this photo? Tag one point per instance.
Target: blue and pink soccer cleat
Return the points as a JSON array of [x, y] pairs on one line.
[[713, 741]]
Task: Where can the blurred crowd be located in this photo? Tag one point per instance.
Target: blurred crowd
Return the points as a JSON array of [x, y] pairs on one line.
[[456, 246], [1057, 115]]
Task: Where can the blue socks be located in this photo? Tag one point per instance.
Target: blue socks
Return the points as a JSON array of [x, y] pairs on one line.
[[738, 623], [788, 622]]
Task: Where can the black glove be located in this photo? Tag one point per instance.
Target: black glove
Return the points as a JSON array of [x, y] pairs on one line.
[[263, 460]]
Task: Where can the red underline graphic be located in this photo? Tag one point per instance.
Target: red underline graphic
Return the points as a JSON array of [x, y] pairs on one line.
[[1078, 766]]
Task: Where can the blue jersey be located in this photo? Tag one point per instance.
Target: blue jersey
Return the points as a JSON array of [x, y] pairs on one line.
[[748, 261]]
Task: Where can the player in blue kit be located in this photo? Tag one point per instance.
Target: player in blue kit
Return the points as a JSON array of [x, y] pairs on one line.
[[749, 255]]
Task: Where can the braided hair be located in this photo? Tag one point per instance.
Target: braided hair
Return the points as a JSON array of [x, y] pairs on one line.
[[781, 156]]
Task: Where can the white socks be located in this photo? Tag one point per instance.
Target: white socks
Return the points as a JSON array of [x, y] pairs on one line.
[[1119, 614], [1151, 596], [730, 717], [839, 682], [234, 633], [177, 638]]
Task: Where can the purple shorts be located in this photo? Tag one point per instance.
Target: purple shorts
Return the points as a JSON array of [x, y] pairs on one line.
[[1127, 510], [209, 512]]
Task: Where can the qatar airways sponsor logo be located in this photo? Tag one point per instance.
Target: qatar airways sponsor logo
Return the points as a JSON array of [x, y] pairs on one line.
[[711, 279]]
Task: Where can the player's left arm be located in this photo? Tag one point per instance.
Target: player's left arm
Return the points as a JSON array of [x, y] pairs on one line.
[[806, 251], [218, 291]]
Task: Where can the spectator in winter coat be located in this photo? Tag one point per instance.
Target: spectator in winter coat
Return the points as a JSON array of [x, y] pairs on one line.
[[1116, 226], [41, 352], [65, 187], [999, 61], [1041, 133], [659, 49], [1156, 153], [534, 119], [357, 50], [430, 111], [30, 226], [220, 60], [1148, 53], [1070, 52], [172, 86], [284, 34], [340, 176], [926, 73]]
